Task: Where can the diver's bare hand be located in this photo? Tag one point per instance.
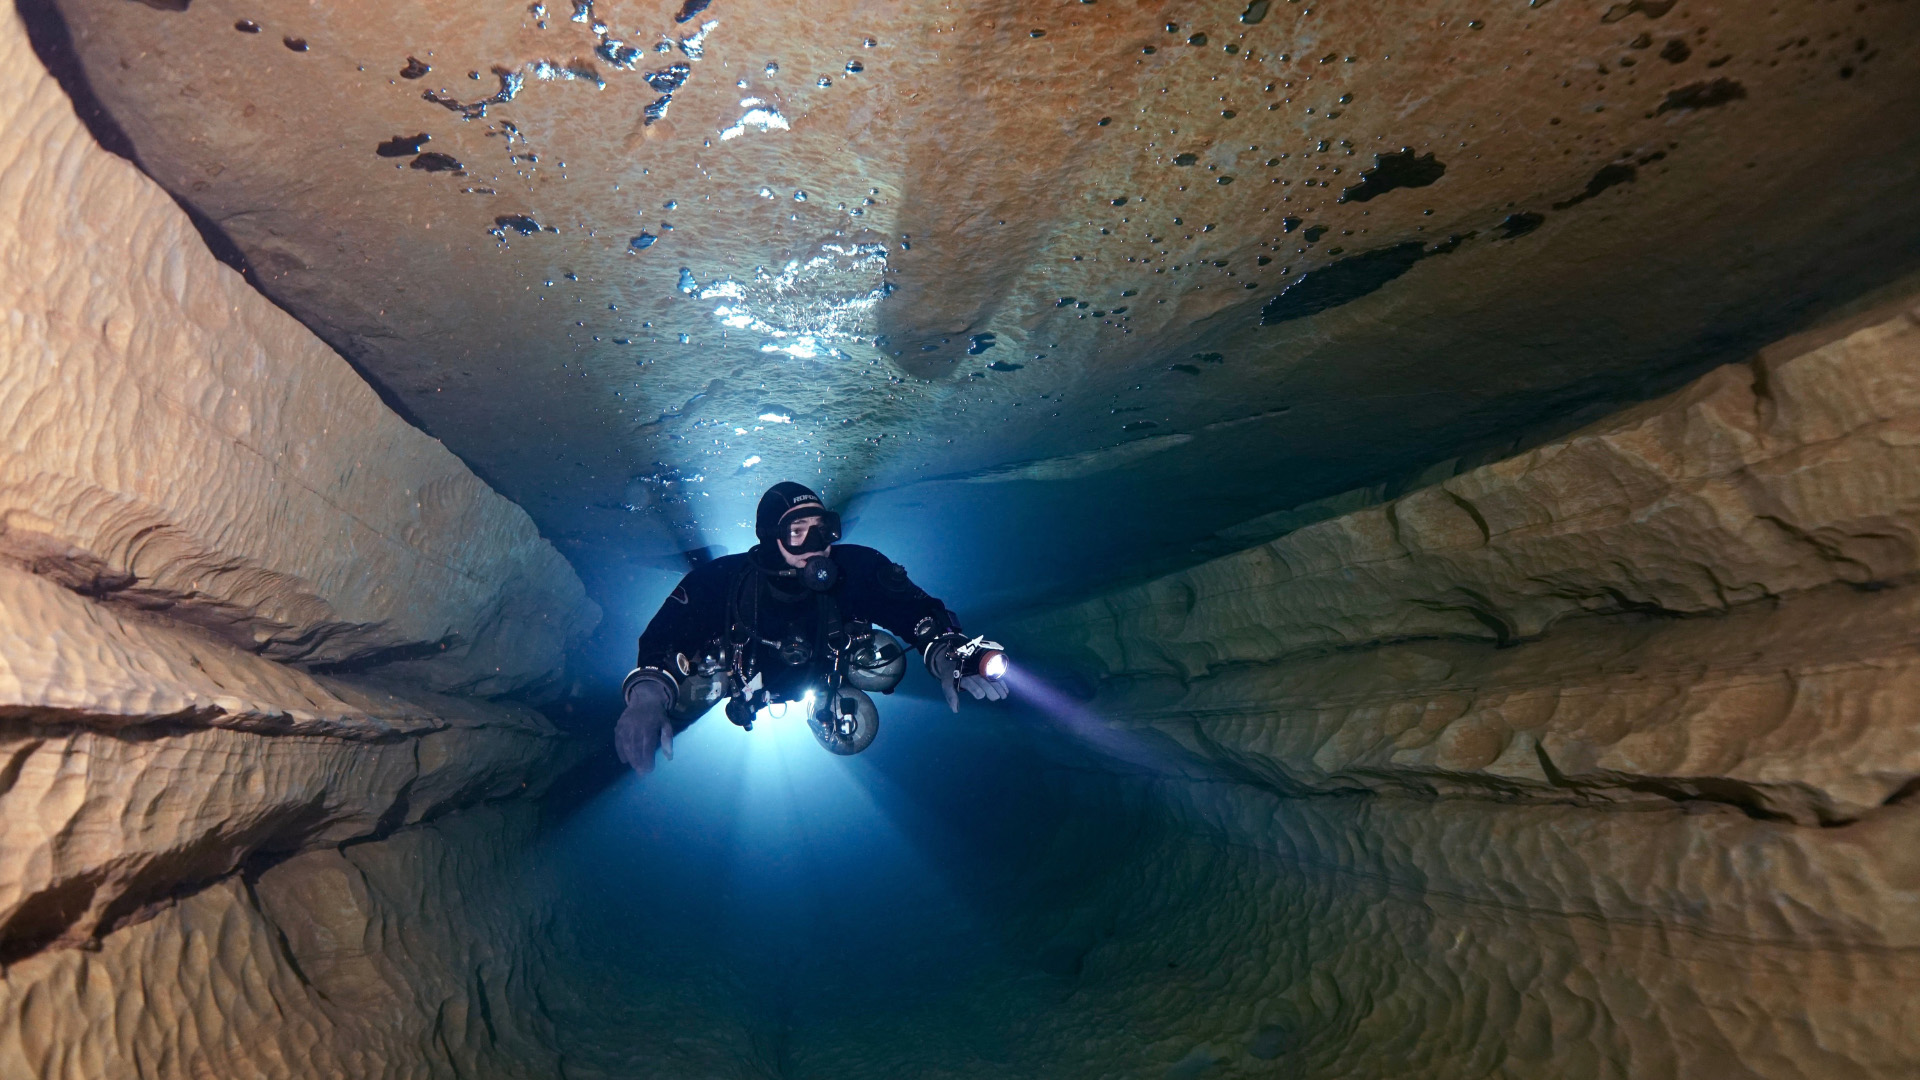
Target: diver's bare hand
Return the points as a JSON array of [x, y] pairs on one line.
[[982, 688], [644, 727]]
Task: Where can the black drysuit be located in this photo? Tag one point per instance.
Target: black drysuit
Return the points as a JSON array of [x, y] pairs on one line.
[[785, 623]]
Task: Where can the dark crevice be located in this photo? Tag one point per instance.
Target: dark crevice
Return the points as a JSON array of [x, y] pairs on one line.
[[390, 820], [1904, 794], [249, 877], [1484, 611], [1554, 775], [17, 760], [1709, 789], [41, 720], [485, 1006], [1223, 765], [1472, 511], [394, 654], [44, 917]]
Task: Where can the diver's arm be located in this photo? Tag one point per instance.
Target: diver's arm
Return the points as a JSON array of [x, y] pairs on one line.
[[650, 689], [888, 597], [932, 630], [645, 726], [689, 621], [666, 636]]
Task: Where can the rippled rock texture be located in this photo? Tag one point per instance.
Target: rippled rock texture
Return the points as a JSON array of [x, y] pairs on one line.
[[1596, 761], [239, 812], [966, 260], [1602, 754]]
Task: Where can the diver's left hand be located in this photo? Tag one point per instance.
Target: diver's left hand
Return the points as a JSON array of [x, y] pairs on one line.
[[981, 687]]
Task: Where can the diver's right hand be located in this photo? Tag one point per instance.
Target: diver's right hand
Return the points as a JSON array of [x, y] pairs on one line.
[[943, 663], [644, 727]]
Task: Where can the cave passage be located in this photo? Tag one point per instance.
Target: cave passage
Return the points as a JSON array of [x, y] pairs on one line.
[[972, 896], [1447, 480]]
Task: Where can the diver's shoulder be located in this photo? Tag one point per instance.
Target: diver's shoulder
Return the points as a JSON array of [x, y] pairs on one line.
[[727, 565], [716, 572], [858, 555]]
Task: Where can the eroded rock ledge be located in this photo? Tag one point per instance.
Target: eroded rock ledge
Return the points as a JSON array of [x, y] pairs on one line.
[[174, 442], [259, 790], [1597, 761], [1703, 597]]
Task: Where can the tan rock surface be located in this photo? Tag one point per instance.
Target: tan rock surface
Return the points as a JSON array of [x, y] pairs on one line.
[[202, 511], [452, 193], [1751, 483], [1768, 505], [1353, 937], [410, 957], [1597, 761], [146, 759], [173, 441], [1807, 710]]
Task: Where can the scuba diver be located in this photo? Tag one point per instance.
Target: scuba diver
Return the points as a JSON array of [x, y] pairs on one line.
[[799, 620]]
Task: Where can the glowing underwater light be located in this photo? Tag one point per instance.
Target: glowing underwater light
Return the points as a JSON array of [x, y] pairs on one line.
[[1082, 722], [778, 710], [995, 666]]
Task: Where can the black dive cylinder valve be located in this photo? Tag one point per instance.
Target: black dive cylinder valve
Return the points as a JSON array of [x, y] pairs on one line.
[[740, 711]]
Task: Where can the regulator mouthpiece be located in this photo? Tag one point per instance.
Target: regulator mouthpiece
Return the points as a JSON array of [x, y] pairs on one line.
[[820, 574]]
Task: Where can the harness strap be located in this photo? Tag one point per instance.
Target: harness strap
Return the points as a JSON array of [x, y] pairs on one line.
[[741, 636]]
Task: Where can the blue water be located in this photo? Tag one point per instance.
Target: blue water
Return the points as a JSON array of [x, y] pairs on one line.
[[758, 906]]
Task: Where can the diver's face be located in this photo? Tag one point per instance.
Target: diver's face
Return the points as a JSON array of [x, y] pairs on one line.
[[796, 535]]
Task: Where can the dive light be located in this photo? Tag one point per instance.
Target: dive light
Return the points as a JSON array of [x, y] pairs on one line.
[[982, 657], [994, 665]]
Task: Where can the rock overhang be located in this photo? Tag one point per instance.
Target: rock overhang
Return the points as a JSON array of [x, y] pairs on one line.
[[1004, 263], [1608, 832]]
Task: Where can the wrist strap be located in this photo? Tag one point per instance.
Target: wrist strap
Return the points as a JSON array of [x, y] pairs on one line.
[[949, 639], [654, 674]]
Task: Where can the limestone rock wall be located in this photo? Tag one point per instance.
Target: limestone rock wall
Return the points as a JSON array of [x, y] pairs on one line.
[[412, 957], [1731, 553], [144, 761], [261, 791], [1260, 935], [1621, 734], [174, 442]]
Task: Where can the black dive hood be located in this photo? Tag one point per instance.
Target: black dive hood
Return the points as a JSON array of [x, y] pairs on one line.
[[782, 505]]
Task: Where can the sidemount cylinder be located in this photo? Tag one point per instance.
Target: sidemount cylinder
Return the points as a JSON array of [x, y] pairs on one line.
[[846, 723]]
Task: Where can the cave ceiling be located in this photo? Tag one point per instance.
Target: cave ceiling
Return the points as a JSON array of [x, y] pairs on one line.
[[1061, 288]]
